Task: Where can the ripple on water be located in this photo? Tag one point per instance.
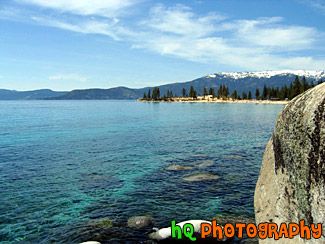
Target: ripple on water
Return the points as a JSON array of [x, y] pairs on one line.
[[67, 165]]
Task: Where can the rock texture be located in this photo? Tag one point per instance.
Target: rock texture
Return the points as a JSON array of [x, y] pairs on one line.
[[291, 185], [201, 177], [179, 167], [139, 221]]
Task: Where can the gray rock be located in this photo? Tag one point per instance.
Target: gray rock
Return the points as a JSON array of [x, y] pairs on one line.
[[200, 177], [138, 222], [235, 157], [200, 155], [179, 167], [291, 185], [205, 164], [90, 242]]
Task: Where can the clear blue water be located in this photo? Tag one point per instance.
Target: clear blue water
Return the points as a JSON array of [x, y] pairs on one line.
[[66, 164]]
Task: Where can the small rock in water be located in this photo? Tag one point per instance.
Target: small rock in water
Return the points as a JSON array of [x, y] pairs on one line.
[[90, 242], [205, 163], [235, 157], [139, 221], [179, 167], [200, 177], [100, 223], [200, 155]]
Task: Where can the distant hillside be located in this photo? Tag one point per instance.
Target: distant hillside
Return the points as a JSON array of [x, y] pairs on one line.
[[101, 94], [28, 95], [241, 81]]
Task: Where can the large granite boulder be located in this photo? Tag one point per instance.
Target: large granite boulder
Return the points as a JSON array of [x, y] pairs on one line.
[[291, 185]]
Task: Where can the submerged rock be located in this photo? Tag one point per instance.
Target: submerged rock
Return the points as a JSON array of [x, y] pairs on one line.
[[100, 223], [205, 163], [291, 184], [90, 242], [235, 157], [200, 155], [138, 222], [179, 167], [200, 177]]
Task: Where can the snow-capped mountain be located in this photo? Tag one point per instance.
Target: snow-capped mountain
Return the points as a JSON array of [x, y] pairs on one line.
[[241, 81], [311, 74]]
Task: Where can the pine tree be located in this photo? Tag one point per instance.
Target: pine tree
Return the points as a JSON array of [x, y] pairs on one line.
[[219, 93], [192, 92], [148, 96], [249, 95], [223, 94], [158, 93], [244, 95], [183, 92], [213, 93], [154, 93], [285, 92], [264, 93], [210, 91], [257, 93], [304, 84], [144, 96], [227, 92], [290, 91], [234, 95], [277, 92], [204, 92], [296, 87]]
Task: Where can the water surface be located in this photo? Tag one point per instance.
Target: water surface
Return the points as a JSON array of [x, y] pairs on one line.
[[66, 164]]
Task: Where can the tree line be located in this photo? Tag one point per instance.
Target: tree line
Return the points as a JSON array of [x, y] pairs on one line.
[[295, 88]]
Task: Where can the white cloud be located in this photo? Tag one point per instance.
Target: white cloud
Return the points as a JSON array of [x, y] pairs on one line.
[[268, 33], [70, 77], [251, 44], [107, 27], [107, 8], [262, 43], [180, 20], [317, 4]]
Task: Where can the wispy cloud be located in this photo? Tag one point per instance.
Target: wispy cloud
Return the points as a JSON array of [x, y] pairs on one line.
[[269, 33], [251, 44], [106, 8], [317, 4], [263, 43], [107, 27], [182, 21], [70, 77]]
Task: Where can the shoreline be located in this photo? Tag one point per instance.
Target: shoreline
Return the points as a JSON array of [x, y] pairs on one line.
[[215, 100]]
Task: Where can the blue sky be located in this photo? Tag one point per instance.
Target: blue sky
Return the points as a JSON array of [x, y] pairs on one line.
[[70, 44]]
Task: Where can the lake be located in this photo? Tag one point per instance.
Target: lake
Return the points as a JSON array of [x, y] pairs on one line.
[[73, 171]]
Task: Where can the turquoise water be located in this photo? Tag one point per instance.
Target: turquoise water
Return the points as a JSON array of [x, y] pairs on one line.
[[67, 165]]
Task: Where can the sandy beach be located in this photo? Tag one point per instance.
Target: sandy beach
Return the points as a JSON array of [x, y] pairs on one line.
[[209, 99]]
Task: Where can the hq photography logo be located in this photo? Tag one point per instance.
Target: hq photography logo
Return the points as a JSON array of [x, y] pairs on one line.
[[262, 231]]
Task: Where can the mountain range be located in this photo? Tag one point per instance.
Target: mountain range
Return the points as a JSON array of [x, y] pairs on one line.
[[241, 81], [28, 95]]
